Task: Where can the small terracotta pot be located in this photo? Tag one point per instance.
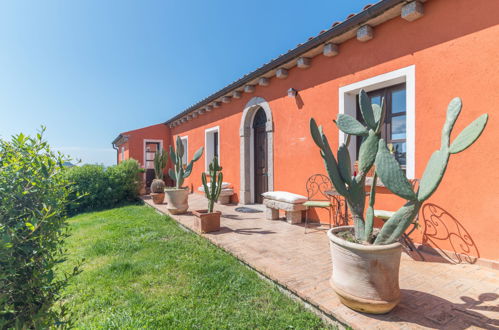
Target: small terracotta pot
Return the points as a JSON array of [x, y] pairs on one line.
[[176, 200], [365, 277], [158, 198], [207, 222]]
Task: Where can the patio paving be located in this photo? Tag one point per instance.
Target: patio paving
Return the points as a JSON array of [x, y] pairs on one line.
[[435, 295]]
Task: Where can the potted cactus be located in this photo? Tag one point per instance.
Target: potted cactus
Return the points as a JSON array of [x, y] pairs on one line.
[[366, 260], [176, 197], [158, 185], [208, 220]]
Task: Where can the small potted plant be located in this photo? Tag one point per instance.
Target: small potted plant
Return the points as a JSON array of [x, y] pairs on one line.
[[366, 260], [176, 197], [158, 185], [208, 220]]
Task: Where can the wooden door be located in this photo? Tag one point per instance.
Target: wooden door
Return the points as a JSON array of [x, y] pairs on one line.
[[151, 148], [260, 155]]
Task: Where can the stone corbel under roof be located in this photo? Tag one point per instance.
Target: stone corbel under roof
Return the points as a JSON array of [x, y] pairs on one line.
[[360, 26]]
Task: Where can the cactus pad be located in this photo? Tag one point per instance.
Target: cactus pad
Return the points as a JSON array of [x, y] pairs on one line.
[[398, 223], [180, 147], [453, 111], [197, 154], [377, 112], [367, 110], [433, 174], [367, 152], [391, 174], [332, 168], [349, 125], [344, 163], [469, 135], [316, 133]]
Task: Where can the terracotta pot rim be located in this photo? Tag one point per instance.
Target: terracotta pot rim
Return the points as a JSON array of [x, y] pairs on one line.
[[198, 213], [205, 211], [356, 246], [175, 189]]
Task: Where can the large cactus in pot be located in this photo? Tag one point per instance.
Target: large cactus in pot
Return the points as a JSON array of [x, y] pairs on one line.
[[212, 190], [179, 173], [352, 187], [373, 150]]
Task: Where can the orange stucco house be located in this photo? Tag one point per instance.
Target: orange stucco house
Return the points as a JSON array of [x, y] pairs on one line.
[[418, 55]]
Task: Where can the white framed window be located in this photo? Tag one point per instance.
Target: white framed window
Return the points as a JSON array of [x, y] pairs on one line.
[[211, 145], [185, 144], [122, 153], [150, 148], [402, 77]]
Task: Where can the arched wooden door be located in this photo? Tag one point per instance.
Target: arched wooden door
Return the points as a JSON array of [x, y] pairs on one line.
[[260, 155]]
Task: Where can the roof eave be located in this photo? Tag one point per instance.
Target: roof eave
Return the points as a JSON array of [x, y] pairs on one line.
[[335, 31]]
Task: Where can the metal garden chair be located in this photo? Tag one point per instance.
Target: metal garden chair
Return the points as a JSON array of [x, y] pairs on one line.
[[316, 186]]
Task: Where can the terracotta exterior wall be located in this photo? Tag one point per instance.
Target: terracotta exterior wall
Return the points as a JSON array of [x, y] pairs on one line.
[[455, 51], [123, 155], [134, 147]]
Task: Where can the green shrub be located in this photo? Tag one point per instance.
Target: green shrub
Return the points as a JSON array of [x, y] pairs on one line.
[[90, 188], [33, 200], [125, 180], [96, 187]]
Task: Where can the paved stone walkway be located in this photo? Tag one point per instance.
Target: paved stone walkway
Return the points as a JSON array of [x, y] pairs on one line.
[[434, 295]]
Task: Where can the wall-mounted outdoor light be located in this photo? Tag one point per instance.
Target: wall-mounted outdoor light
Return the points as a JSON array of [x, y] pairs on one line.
[[292, 92]]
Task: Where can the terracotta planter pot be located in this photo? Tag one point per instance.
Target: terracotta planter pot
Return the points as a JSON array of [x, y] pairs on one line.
[[176, 200], [207, 222], [158, 198], [365, 277]]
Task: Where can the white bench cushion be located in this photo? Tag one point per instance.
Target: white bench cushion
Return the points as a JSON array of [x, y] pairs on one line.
[[284, 196], [382, 214], [225, 185]]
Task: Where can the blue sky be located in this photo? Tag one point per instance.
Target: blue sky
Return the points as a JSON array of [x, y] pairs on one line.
[[91, 69]]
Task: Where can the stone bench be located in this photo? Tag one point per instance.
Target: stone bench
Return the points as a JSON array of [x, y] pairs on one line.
[[291, 203], [225, 194]]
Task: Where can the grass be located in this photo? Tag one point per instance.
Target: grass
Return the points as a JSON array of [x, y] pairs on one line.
[[143, 271]]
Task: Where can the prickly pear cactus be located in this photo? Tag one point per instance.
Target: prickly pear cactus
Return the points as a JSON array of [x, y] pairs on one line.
[[374, 151], [213, 190], [178, 173], [350, 186], [160, 161], [432, 176]]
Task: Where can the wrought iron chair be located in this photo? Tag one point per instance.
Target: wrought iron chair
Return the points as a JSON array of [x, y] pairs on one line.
[[317, 186]]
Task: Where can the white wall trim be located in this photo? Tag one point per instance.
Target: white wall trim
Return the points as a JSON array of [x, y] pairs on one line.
[[206, 141], [347, 104], [186, 151], [144, 149]]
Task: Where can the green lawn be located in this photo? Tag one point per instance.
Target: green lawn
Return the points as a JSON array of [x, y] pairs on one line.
[[142, 270]]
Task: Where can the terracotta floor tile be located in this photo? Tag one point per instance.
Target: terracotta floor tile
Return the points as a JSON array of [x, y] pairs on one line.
[[434, 295]]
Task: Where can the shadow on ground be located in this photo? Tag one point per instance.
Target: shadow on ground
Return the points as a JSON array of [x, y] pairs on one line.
[[440, 313]]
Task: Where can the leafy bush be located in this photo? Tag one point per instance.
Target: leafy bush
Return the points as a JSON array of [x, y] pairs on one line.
[[96, 187], [125, 181], [90, 188], [33, 200]]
